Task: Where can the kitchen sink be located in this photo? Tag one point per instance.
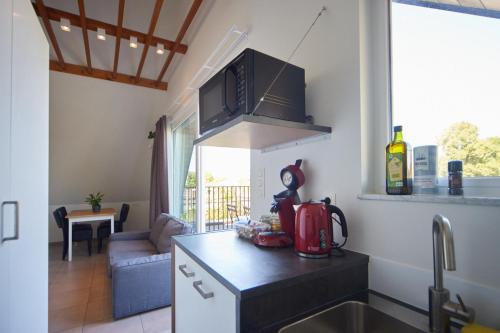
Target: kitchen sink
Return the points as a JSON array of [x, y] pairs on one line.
[[350, 317]]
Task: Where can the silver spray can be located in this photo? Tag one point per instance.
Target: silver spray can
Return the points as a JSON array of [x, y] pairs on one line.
[[425, 170]]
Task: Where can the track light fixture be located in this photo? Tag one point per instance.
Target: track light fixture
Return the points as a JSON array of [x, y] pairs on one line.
[[160, 49], [133, 42], [101, 34], [65, 25]]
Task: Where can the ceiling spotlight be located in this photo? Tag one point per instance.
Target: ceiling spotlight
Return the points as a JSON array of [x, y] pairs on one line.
[[160, 49], [133, 42], [101, 34], [65, 25]]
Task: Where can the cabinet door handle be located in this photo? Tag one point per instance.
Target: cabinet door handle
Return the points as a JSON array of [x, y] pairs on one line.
[[182, 268], [16, 220], [204, 294]]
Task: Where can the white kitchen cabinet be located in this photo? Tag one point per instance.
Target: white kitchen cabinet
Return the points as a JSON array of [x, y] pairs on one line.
[[209, 309], [255, 289]]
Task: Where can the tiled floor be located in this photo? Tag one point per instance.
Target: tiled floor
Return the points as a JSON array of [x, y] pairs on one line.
[[80, 297]]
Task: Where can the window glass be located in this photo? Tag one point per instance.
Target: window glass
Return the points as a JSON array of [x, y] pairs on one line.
[[189, 199], [446, 84], [225, 196], [184, 170]]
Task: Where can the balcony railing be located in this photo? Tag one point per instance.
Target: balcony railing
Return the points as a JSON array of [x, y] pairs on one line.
[[223, 204]]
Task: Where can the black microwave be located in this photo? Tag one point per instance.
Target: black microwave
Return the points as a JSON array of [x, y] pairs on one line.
[[238, 87]]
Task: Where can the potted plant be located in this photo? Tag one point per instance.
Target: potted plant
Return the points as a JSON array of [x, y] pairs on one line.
[[95, 201]]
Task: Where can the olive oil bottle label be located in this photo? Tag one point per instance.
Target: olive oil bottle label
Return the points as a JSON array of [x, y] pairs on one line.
[[395, 169]]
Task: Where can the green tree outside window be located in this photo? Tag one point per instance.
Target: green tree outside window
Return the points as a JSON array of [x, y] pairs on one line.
[[481, 157]]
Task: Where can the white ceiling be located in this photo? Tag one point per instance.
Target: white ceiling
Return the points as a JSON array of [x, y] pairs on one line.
[[137, 16]]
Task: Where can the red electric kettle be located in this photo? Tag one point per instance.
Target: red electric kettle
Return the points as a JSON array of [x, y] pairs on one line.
[[314, 229]]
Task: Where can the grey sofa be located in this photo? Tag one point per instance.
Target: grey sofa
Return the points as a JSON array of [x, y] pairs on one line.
[[139, 266]]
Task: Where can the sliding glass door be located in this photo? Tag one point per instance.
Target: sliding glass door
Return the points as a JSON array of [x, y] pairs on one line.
[[210, 185], [184, 186]]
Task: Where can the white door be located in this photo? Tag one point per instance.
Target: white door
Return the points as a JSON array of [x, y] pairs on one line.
[[5, 83], [24, 261]]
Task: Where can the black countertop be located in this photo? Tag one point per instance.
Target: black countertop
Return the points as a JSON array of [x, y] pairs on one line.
[[247, 270]]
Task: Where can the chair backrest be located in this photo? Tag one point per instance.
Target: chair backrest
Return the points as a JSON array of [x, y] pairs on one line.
[[246, 210], [124, 212], [232, 212], [60, 217]]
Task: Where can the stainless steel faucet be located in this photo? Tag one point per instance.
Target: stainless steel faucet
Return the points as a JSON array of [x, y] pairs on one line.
[[441, 309]]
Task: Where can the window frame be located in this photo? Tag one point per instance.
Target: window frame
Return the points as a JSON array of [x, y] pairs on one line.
[[488, 186]]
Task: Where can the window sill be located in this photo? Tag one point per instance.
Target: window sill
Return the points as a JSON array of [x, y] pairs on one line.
[[437, 199]]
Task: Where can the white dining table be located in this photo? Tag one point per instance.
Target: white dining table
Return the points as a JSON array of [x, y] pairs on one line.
[[76, 216]]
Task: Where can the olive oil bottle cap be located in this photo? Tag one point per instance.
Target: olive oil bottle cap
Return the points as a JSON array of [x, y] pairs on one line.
[[398, 128]]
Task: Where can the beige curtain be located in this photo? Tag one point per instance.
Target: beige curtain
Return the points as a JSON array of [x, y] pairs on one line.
[[158, 193]]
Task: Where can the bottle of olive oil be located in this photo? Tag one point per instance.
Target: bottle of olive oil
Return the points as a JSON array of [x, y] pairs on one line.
[[399, 170]]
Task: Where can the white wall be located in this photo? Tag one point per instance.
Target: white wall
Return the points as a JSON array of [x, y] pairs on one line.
[[98, 142], [346, 73]]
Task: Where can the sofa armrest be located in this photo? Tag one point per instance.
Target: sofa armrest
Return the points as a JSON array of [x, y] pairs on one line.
[[129, 235], [141, 284]]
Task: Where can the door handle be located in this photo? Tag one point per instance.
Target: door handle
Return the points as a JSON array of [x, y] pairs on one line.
[[204, 294], [182, 268], [16, 220]]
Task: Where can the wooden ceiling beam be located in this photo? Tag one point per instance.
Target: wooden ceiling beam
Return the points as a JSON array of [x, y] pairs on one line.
[[187, 22], [56, 15], [152, 26], [107, 75], [43, 13], [119, 26], [83, 23]]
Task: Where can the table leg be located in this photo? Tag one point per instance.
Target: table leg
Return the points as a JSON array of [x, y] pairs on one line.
[[70, 239], [112, 224]]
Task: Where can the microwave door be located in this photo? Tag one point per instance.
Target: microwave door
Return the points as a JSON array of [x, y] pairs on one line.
[[211, 102], [230, 95]]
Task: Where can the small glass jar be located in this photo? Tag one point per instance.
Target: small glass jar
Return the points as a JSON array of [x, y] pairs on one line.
[[275, 223], [455, 169]]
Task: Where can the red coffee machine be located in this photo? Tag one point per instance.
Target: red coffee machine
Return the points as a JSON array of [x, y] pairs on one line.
[[314, 229], [292, 178]]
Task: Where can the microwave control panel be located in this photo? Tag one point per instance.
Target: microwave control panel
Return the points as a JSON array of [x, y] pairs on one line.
[[240, 78]]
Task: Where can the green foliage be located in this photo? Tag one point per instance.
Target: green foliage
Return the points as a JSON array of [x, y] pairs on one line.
[[481, 157], [94, 199], [209, 178], [191, 179]]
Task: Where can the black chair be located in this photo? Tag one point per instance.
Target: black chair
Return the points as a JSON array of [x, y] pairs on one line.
[[104, 229], [81, 231]]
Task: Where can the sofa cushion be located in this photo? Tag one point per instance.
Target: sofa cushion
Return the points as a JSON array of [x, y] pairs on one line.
[[173, 227], [142, 260], [157, 228], [126, 250]]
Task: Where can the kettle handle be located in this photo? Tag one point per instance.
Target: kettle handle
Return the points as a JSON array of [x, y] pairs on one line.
[[343, 223]]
